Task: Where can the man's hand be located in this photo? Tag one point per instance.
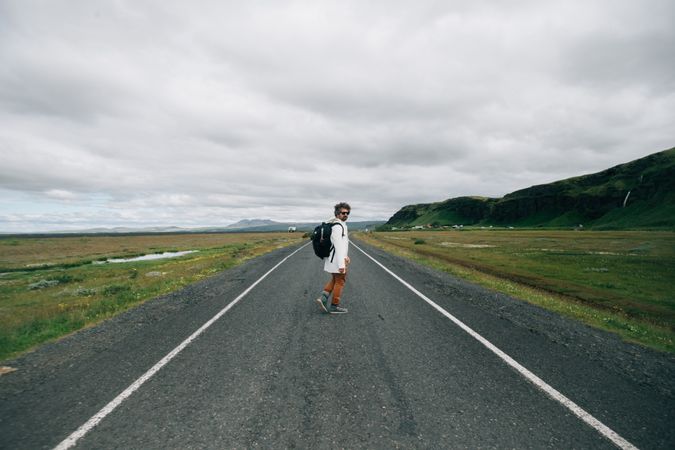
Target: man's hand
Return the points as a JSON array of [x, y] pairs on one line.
[[347, 261]]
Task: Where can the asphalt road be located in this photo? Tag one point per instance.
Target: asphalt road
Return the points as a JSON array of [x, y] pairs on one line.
[[275, 372]]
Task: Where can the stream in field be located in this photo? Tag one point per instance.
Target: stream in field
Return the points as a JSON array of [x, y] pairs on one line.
[[147, 257]]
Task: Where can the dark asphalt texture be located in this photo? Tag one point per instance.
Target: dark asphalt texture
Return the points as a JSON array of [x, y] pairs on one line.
[[275, 372]]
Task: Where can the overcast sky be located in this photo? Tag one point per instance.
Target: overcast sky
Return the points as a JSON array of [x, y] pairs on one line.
[[201, 113]]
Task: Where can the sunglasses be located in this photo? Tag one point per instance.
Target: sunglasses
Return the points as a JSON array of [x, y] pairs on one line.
[[344, 212]]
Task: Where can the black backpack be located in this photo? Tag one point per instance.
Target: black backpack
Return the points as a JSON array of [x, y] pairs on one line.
[[321, 238]]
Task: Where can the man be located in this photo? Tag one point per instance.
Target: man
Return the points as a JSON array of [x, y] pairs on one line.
[[336, 263]]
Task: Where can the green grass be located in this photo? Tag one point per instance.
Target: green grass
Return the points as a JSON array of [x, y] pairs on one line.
[[49, 287], [617, 281]]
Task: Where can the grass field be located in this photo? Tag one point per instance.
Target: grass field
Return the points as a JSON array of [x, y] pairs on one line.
[[50, 287], [621, 281]]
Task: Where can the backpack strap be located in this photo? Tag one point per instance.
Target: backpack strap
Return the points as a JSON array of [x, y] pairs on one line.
[[343, 228]]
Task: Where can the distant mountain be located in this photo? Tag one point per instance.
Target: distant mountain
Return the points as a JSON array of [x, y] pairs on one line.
[[116, 230], [638, 194], [249, 223], [304, 226]]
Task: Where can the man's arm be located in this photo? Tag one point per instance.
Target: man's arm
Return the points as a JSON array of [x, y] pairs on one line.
[[340, 244]]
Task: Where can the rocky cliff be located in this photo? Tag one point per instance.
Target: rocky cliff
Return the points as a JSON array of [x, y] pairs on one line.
[[638, 194]]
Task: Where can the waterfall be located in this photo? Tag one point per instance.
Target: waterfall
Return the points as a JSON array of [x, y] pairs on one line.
[[626, 199]]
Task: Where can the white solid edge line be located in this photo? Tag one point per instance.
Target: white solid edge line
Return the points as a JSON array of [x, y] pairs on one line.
[[110, 407], [538, 382]]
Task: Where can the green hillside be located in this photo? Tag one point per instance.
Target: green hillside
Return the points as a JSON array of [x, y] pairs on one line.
[[638, 194]]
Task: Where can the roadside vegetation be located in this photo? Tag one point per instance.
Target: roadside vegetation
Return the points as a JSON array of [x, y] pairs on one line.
[[620, 281], [50, 287]]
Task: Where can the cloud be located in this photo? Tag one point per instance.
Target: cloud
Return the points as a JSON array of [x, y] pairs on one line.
[[164, 113], [60, 194]]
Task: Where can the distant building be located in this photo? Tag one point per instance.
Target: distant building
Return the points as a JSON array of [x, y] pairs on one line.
[[292, 229]]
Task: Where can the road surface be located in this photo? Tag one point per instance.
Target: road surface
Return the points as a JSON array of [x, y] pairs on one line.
[[246, 359]]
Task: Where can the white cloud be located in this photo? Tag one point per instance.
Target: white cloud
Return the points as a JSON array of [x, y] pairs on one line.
[[60, 194], [172, 114]]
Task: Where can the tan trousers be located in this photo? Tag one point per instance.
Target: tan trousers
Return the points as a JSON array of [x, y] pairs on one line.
[[335, 285]]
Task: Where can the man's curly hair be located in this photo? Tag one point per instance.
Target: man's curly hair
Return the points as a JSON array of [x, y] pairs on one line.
[[342, 205]]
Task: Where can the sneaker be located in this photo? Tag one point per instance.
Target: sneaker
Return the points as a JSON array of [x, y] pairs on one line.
[[321, 303], [337, 309]]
